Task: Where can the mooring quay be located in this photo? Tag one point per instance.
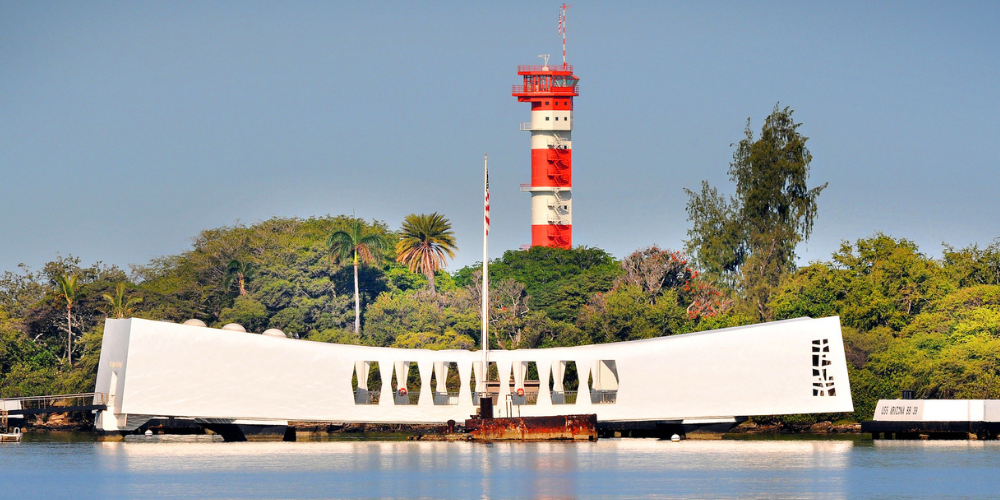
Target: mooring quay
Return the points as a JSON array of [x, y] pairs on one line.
[[15, 409], [58, 403]]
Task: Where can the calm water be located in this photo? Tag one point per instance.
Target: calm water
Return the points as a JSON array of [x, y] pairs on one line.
[[613, 468]]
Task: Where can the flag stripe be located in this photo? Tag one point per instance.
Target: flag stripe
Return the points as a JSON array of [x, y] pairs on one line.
[[487, 202]]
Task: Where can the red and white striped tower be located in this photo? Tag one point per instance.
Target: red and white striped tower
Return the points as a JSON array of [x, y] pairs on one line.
[[550, 90]]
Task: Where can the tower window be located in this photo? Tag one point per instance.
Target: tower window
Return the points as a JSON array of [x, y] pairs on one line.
[[546, 118], [546, 103]]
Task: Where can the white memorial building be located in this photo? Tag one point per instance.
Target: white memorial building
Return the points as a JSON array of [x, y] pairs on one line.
[[151, 369]]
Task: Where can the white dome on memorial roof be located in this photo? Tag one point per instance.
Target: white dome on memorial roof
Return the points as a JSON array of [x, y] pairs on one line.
[[234, 327]]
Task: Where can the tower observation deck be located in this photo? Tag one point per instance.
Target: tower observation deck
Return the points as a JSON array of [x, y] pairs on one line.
[[550, 90]]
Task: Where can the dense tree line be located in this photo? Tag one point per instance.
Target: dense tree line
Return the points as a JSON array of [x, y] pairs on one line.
[[910, 321], [294, 275]]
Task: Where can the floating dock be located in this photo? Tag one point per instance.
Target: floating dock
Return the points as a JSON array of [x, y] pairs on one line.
[[11, 437], [935, 419]]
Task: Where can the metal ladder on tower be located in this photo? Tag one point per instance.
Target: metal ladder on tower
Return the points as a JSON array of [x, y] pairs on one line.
[[558, 148], [557, 142], [558, 208]]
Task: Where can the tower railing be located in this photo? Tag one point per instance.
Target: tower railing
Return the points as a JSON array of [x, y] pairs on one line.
[[534, 68], [542, 88], [530, 188]]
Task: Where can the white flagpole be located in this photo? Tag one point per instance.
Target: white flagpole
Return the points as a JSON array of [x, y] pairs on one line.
[[486, 276]]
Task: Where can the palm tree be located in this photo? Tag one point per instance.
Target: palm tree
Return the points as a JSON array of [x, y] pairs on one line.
[[68, 288], [239, 270], [424, 242], [359, 245], [117, 305]]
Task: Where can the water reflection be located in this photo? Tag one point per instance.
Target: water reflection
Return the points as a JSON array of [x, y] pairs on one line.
[[606, 469], [500, 470]]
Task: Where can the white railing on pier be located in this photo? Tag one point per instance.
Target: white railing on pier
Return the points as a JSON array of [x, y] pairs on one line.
[[563, 397], [445, 398], [476, 396], [529, 398], [409, 398], [365, 397], [55, 400], [603, 397]]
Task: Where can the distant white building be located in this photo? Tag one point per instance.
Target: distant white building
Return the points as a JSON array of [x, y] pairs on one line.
[[153, 369]]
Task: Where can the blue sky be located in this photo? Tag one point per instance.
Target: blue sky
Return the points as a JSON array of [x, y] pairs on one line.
[[128, 127]]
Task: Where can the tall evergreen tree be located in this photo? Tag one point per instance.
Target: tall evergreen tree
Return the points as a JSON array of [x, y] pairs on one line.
[[749, 240]]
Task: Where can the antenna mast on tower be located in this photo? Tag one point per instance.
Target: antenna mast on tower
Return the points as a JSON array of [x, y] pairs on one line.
[[562, 28]]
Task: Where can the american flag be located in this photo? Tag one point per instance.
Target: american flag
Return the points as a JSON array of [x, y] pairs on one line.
[[487, 202]]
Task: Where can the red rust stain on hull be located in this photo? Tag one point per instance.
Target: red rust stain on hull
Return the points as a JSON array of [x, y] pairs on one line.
[[557, 428]]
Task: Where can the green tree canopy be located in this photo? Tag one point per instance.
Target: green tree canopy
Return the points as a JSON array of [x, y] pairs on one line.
[[245, 311], [394, 315], [972, 265], [558, 281], [748, 241], [626, 313]]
